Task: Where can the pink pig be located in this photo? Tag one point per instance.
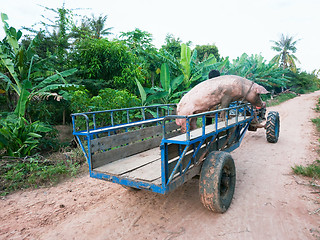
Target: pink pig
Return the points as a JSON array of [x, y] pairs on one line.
[[219, 90]]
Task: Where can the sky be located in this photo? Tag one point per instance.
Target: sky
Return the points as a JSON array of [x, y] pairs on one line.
[[234, 26]]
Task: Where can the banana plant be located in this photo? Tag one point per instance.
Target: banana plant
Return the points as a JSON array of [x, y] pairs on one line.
[[185, 61], [192, 70], [18, 137], [19, 64], [165, 94]]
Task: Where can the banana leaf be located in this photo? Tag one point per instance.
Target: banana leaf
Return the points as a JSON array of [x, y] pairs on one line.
[[23, 99], [142, 92], [165, 77]]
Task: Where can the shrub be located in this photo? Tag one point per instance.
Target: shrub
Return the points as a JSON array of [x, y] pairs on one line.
[[107, 99], [110, 61], [20, 138]]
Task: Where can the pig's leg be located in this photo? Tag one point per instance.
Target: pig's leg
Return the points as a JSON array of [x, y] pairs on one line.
[[193, 123], [225, 102]]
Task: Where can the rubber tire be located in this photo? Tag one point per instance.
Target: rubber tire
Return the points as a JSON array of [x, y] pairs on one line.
[[273, 127], [217, 181]]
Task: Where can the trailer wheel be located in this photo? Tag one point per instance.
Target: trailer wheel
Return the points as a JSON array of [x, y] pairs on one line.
[[273, 127], [217, 181]]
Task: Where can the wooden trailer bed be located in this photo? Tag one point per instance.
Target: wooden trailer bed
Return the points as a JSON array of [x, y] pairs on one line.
[[146, 165]]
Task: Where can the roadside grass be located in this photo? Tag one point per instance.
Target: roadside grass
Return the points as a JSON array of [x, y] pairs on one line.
[[280, 99], [311, 170], [38, 171]]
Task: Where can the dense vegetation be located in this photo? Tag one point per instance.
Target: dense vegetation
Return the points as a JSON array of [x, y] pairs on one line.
[[47, 74]]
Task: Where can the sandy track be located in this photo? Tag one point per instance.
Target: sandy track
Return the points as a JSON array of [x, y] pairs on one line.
[[269, 202]]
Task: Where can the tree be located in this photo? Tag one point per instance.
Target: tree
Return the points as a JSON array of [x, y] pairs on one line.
[[286, 46], [204, 51], [97, 26], [55, 35], [19, 72], [172, 45], [140, 44], [108, 61]]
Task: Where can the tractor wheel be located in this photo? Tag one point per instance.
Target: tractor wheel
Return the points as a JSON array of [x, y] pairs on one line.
[[273, 127], [217, 181]]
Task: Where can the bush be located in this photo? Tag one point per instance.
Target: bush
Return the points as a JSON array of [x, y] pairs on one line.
[[20, 138], [304, 82], [49, 111], [107, 99], [110, 61]]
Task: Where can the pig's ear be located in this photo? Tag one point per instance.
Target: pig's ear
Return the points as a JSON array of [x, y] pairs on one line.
[[261, 90]]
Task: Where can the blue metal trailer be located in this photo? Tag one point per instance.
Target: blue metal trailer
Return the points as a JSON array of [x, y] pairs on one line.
[[143, 148]]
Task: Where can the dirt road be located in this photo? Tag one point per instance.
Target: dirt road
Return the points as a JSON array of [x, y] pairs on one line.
[[269, 201]]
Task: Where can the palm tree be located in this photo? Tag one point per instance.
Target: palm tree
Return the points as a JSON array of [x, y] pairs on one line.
[[285, 47], [97, 26]]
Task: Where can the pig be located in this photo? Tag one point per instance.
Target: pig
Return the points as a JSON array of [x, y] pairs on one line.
[[219, 90]]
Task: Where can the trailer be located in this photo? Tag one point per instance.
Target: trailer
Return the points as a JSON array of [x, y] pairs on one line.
[[143, 148]]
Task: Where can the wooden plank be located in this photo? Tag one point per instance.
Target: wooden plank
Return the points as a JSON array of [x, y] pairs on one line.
[[130, 163], [107, 142], [102, 158], [149, 172]]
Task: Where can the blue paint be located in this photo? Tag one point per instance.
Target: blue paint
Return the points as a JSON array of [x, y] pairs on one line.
[[179, 174]]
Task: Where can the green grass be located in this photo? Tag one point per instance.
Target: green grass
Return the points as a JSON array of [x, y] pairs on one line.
[[280, 99], [34, 172], [312, 170], [316, 121]]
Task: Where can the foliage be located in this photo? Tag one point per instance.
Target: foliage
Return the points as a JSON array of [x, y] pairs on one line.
[[107, 60], [189, 72], [20, 138], [172, 46], [254, 68], [32, 172], [97, 26], [93, 27], [204, 51], [107, 99], [140, 44], [282, 97], [312, 170], [316, 121], [58, 30], [303, 82], [18, 77], [166, 94], [185, 61], [192, 70], [49, 111], [137, 39], [286, 46]]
